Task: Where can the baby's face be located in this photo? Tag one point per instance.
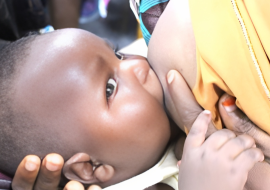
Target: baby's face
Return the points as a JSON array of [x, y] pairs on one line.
[[109, 108]]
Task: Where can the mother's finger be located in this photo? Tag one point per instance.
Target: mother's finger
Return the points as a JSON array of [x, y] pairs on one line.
[[74, 185], [235, 120], [94, 187], [26, 173], [50, 172], [182, 105]]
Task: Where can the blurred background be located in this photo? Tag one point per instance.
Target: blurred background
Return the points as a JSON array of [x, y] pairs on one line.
[[110, 19]]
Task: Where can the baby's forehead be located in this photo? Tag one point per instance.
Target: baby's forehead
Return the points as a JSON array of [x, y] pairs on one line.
[[62, 39], [64, 44], [65, 55]]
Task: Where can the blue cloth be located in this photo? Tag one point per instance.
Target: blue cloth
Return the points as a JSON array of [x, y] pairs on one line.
[[144, 6]]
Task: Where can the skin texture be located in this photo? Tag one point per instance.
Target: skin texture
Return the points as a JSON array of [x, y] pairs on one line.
[[221, 165], [178, 49], [49, 172], [198, 160], [235, 120], [238, 122], [183, 71], [192, 157], [64, 81]]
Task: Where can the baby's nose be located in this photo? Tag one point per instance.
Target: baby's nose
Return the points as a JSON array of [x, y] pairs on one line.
[[141, 74], [136, 67]]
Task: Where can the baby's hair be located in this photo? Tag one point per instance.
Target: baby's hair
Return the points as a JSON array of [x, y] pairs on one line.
[[21, 133], [12, 56]]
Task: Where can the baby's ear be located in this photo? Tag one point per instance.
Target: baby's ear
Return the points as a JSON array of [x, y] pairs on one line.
[[79, 168]]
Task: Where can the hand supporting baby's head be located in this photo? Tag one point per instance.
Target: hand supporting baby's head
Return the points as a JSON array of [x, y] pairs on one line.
[[68, 93]]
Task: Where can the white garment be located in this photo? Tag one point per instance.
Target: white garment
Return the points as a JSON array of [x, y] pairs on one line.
[[165, 171]]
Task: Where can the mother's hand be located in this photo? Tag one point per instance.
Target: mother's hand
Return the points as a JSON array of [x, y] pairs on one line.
[[235, 120], [182, 106], [32, 174], [48, 172], [184, 109]]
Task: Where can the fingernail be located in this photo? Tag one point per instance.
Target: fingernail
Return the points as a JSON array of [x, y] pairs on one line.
[[170, 77], [207, 112], [262, 158], [94, 187], [178, 164], [229, 104], [186, 130], [53, 163], [31, 164]]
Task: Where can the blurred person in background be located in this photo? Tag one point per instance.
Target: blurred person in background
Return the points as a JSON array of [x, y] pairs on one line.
[[19, 17], [110, 19]]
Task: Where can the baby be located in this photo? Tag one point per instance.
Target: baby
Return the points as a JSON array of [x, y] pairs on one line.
[[67, 92], [230, 54]]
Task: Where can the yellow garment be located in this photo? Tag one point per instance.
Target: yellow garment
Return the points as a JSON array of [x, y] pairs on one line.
[[233, 49]]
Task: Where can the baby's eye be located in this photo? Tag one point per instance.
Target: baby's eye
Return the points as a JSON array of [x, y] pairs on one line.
[[119, 55], [110, 88]]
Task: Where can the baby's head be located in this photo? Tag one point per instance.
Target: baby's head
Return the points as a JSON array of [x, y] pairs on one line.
[[67, 92]]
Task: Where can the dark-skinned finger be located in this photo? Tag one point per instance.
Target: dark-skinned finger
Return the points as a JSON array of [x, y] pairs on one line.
[[235, 120], [94, 187], [50, 173], [182, 105], [26, 173], [74, 185]]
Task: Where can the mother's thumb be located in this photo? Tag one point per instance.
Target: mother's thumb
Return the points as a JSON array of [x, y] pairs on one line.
[[233, 118]]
